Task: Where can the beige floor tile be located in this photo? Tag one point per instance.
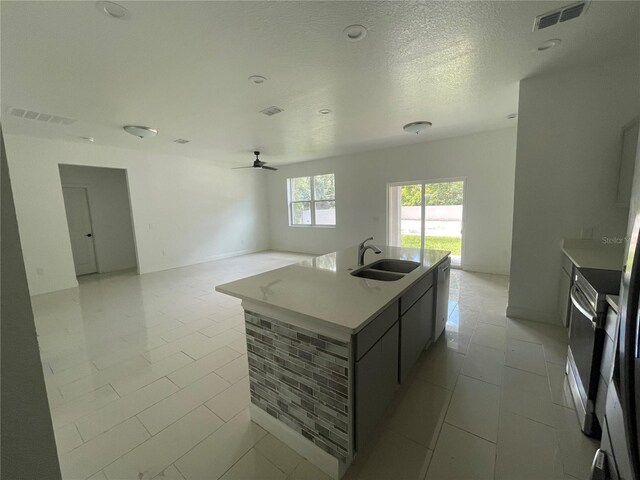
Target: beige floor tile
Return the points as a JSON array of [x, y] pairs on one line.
[[439, 365], [253, 465], [527, 450], [153, 456], [221, 450], [475, 407], [173, 407], [168, 349], [559, 383], [239, 345], [491, 336], [67, 438], [169, 473], [151, 373], [235, 370], [95, 454], [278, 453], [395, 456], [457, 341], [200, 368], [493, 318], [460, 455], [528, 395], [420, 413], [124, 408], [576, 448], [206, 347], [82, 405], [484, 363], [231, 401], [98, 476], [526, 356], [308, 471]]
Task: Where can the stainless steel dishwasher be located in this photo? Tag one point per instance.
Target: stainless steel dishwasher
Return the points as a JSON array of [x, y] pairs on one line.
[[442, 301]]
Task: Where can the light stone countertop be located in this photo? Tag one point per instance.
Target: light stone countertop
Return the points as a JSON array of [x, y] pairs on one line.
[[589, 254], [322, 290]]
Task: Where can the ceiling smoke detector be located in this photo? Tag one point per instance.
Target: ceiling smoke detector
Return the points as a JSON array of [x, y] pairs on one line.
[[355, 33], [113, 10], [549, 44], [270, 111], [140, 131], [257, 79], [417, 127]]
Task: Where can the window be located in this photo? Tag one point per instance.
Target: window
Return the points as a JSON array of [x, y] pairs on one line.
[[312, 200]]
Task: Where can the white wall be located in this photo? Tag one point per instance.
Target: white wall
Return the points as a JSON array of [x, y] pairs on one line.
[[567, 162], [110, 213], [485, 159], [184, 210]]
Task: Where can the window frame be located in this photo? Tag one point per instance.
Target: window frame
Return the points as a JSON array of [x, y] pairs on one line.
[[312, 202]]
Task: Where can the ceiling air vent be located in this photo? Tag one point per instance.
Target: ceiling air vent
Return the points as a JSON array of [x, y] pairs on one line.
[[181, 141], [559, 15], [271, 111], [43, 117]]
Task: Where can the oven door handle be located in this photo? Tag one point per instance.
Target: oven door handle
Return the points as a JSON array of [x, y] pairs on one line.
[[579, 304]]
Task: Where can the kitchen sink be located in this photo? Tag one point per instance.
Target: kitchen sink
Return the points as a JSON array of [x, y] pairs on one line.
[[397, 266], [377, 275]]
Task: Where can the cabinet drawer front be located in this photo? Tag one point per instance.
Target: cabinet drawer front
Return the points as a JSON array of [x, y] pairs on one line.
[[567, 265], [416, 330], [376, 382], [369, 335], [414, 293]]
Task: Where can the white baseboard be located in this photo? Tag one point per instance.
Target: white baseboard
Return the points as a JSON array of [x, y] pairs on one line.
[[485, 269], [211, 258], [303, 446]]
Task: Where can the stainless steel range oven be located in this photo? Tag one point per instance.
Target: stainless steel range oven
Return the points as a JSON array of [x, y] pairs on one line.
[[586, 339]]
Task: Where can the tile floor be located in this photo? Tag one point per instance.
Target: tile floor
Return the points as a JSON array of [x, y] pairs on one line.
[[147, 378]]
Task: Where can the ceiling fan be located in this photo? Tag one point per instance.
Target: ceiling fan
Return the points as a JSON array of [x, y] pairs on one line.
[[257, 163]]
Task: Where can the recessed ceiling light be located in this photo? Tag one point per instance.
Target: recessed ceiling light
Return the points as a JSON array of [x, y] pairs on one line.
[[416, 127], [257, 79], [324, 111], [88, 139], [548, 44], [511, 116], [355, 33], [113, 10], [140, 131]]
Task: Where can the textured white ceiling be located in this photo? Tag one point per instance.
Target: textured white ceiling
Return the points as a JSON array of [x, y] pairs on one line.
[[182, 67]]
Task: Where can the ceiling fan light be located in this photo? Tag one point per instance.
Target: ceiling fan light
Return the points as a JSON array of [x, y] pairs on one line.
[[140, 131]]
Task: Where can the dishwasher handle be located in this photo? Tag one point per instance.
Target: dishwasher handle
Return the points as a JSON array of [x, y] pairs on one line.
[[581, 305]]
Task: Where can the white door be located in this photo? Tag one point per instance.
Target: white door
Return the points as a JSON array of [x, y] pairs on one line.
[[76, 204]]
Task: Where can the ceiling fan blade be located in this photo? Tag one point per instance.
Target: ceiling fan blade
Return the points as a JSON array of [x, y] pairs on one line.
[[269, 168], [236, 168]]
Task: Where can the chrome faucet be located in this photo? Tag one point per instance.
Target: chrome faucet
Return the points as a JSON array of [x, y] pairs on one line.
[[362, 249]]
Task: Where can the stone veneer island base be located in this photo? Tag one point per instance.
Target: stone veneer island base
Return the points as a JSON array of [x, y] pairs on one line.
[[328, 350]]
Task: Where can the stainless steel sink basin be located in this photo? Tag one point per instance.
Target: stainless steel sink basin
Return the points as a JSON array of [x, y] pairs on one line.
[[377, 275], [391, 265]]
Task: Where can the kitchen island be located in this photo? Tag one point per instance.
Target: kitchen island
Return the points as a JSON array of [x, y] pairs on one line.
[[327, 349]]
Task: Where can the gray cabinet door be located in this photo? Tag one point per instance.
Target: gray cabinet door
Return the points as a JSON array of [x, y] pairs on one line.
[[376, 382], [563, 297], [416, 330]]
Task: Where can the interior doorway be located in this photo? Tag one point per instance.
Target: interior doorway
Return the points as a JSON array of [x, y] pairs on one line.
[[76, 204], [99, 218], [428, 215]]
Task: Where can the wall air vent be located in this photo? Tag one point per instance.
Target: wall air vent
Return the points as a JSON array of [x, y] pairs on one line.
[[559, 15], [271, 111], [43, 117]]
